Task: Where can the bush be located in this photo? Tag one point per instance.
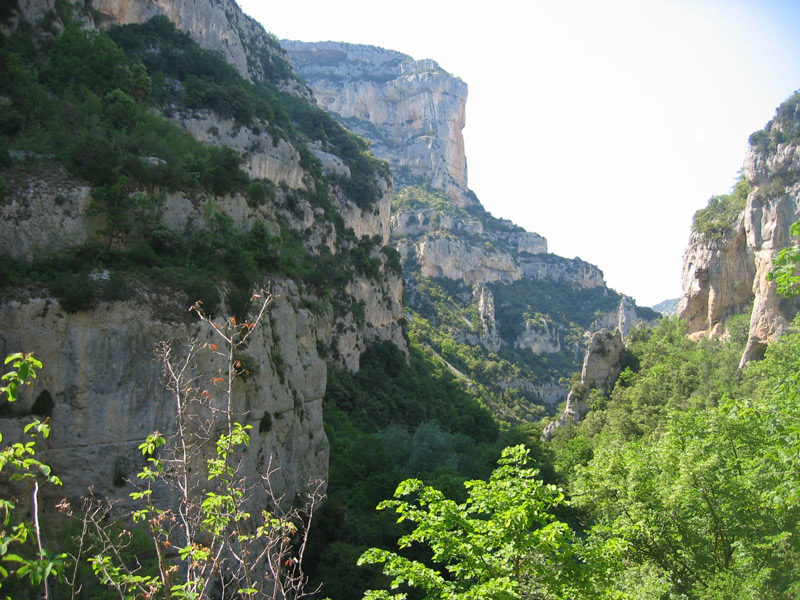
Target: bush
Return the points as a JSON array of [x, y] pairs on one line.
[[239, 302], [115, 288], [717, 220], [74, 292], [204, 291], [260, 192]]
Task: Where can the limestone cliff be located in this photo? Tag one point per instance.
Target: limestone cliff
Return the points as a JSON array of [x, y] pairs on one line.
[[726, 273], [411, 110], [103, 380], [100, 371], [602, 365], [718, 279]]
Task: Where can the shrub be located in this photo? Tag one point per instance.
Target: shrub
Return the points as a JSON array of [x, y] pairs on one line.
[[74, 292], [238, 300], [717, 220], [259, 192], [116, 288], [203, 290]]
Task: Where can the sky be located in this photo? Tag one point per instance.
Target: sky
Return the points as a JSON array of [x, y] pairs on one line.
[[602, 125]]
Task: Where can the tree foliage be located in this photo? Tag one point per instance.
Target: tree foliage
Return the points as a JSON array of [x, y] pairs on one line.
[[693, 468], [784, 268], [22, 550], [502, 543], [717, 220]]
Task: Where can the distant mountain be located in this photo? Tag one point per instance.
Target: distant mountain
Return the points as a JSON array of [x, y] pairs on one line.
[[668, 308]]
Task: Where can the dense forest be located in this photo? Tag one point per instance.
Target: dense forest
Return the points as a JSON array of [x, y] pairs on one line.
[[680, 483]]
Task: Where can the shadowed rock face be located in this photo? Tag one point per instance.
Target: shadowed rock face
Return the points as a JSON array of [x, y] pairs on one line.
[[104, 379], [411, 110], [728, 275]]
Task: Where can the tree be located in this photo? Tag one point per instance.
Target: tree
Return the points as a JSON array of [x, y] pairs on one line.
[[690, 500], [503, 543], [16, 558], [784, 272]]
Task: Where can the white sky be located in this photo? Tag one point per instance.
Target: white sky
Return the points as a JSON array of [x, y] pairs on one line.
[[601, 125]]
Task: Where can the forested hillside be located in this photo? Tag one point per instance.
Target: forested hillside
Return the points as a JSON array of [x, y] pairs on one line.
[[221, 359]]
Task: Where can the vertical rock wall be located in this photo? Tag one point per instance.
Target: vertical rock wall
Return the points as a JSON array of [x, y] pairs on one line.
[[412, 110], [104, 379], [728, 275]]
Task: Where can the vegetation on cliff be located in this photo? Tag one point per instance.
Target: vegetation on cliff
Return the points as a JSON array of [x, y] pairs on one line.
[[784, 128], [444, 314], [718, 219], [782, 131], [98, 103]]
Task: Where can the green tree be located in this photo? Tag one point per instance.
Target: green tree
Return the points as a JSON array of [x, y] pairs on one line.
[[17, 558], [784, 272], [690, 500], [502, 543]]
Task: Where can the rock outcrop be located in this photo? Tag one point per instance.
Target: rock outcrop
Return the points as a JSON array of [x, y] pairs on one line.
[[411, 110], [623, 319], [540, 336], [461, 247], [725, 275], [602, 365], [718, 279], [490, 337]]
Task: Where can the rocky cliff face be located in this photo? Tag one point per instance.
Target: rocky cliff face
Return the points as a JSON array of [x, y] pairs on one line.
[[461, 247], [717, 281], [727, 274], [100, 371], [411, 110], [103, 379], [602, 365]]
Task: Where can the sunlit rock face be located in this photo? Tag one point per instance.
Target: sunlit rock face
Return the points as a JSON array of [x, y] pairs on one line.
[[771, 209], [717, 282], [624, 318], [540, 337], [728, 275], [602, 365], [412, 110], [489, 337]]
